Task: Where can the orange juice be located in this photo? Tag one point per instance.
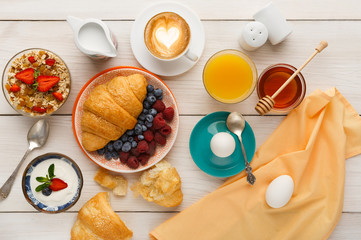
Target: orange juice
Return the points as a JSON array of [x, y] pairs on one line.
[[230, 76]]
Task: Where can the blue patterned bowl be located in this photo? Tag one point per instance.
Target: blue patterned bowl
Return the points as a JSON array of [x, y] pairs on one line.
[[58, 201]]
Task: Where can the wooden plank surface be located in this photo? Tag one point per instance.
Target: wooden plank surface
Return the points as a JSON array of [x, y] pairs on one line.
[[210, 9], [195, 183], [339, 65], [40, 23], [58, 227]]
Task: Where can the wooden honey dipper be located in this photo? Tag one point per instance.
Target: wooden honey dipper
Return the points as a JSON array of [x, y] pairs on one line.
[[266, 103]]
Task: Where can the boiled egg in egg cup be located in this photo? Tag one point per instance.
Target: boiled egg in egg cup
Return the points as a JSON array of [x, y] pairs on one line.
[[217, 151]]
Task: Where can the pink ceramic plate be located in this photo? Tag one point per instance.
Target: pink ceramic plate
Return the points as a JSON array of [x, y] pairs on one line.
[[105, 76]]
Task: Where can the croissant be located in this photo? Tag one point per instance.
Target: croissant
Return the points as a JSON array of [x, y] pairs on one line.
[[97, 221], [111, 109]]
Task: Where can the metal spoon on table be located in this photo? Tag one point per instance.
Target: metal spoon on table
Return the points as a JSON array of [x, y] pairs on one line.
[[37, 136], [236, 124]]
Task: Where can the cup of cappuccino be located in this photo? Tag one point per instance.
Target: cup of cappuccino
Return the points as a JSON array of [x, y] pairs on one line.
[[167, 37]]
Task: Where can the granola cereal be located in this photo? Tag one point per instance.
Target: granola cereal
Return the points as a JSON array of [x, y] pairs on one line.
[[38, 82]]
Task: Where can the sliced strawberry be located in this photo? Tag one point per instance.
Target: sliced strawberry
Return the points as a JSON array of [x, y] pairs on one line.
[[50, 61], [39, 109], [15, 88], [57, 184], [58, 96], [45, 83], [31, 59], [26, 76]]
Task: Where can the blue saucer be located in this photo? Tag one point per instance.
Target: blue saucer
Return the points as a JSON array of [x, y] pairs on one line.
[[202, 154]]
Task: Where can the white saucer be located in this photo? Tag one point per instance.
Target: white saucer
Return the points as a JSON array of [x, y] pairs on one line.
[[157, 66]]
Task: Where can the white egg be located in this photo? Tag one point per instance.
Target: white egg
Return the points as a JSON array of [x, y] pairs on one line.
[[223, 144], [279, 191]]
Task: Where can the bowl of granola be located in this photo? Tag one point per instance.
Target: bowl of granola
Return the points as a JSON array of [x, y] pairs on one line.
[[36, 82]]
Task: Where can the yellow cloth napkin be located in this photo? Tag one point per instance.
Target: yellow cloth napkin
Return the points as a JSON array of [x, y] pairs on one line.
[[311, 145]]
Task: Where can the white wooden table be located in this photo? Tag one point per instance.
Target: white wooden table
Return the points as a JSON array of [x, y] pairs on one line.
[[31, 23]]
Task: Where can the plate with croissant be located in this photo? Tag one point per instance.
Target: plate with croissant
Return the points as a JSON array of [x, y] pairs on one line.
[[125, 119]]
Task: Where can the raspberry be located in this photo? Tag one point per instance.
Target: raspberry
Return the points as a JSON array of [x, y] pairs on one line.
[[152, 147], [133, 162], [159, 115], [168, 114], [148, 135], [123, 156], [135, 152], [159, 106], [143, 146], [143, 159], [158, 122], [166, 130], [160, 139]]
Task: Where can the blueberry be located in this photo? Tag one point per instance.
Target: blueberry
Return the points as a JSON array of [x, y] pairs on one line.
[[158, 92], [126, 147], [140, 137], [124, 138], [142, 116], [160, 97], [144, 128], [46, 191], [151, 99], [101, 151], [115, 155], [147, 105], [138, 131], [130, 139], [141, 122], [145, 111], [153, 112], [149, 118], [118, 145], [110, 146], [134, 144], [130, 132], [148, 124], [150, 88], [108, 155]]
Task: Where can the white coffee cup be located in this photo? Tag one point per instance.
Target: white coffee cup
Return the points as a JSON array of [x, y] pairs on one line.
[[167, 35], [277, 26]]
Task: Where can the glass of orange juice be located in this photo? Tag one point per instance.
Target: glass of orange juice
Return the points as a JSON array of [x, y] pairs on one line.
[[230, 76]]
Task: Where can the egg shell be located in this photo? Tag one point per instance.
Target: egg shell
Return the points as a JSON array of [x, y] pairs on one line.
[[223, 144], [279, 191]]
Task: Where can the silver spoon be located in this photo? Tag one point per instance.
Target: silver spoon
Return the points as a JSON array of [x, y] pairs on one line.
[[236, 124], [37, 136]]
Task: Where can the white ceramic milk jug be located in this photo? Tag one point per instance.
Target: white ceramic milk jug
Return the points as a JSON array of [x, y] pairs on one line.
[[93, 37]]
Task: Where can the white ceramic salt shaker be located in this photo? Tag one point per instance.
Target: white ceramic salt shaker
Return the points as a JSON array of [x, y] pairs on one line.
[[253, 36], [277, 26]]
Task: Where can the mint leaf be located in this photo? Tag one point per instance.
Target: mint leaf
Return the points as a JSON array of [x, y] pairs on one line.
[[42, 179], [35, 85], [51, 171], [42, 186]]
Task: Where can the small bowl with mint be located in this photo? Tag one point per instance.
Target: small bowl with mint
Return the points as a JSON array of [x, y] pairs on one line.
[[52, 183]]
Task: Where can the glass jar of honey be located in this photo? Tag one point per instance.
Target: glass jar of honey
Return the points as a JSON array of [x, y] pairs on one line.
[[272, 78]]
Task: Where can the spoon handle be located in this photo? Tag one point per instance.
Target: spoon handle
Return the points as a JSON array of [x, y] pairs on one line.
[[6, 188], [250, 177]]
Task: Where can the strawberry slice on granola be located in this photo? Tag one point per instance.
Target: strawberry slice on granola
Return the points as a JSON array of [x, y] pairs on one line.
[[26, 76], [45, 83], [39, 109], [58, 96]]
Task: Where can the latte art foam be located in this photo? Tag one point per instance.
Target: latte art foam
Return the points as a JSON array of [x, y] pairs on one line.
[[167, 35]]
